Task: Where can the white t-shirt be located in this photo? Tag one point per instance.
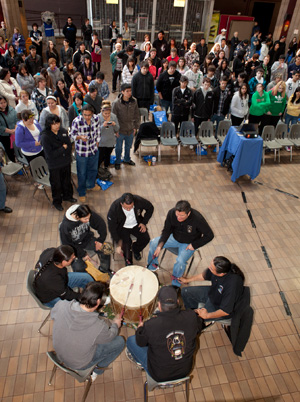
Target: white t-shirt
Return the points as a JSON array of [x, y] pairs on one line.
[[130, 218]]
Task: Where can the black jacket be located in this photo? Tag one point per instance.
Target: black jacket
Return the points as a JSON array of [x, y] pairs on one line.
[[166, 86], [143, 210], [143, 87], [181, 102], [124, 56], [202, 50], [77, 234], [238, 66], [194, 230], [241, 323], [33, 65], [70, 32], [53, 281], [162, 48], [78, 57], [148, 131], [87, 31], [56, 155], [202, 107], [171, 340], [226, 104]]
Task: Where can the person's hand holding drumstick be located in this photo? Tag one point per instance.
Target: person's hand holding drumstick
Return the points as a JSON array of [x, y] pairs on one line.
[[118, 320]]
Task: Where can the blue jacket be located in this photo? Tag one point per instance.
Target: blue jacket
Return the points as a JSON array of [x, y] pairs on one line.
[[24, 138]]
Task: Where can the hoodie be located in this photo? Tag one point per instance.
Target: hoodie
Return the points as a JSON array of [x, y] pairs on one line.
[[76, 333], [77, 234]]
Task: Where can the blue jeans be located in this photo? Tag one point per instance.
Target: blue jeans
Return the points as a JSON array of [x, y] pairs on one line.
[[75, 280], [217, 118], [87, 169], [106, 353], [128, 140], [181, 260], [140, 354], [193, 295], [2, 191], [166, 104], [290, 119]]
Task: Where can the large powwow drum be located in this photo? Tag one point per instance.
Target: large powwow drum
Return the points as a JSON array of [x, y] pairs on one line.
[[143, 281]]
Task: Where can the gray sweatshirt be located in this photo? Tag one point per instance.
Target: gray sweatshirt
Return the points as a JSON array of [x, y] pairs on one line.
[[76, 333], [108, 137]]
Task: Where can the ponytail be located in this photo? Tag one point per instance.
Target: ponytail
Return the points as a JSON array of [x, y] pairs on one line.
[[57, 255], [223, 266]]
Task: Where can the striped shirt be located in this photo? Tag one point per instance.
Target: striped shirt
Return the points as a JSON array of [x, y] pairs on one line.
[[92, 131]]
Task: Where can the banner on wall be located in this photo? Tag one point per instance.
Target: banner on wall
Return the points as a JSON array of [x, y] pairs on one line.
[[215, 19]]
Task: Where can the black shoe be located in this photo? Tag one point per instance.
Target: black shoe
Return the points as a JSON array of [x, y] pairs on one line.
[[70, 199], [117, 166], [58, 207], [6, 210], [131, 163], [105, 271], [137, 256]]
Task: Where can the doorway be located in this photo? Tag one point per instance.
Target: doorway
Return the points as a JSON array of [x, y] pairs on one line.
[[263, 13]]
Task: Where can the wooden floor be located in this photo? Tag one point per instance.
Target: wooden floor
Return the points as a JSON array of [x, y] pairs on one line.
[[269, 368]]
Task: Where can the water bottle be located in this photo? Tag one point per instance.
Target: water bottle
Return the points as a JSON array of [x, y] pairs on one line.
[[153, 160]]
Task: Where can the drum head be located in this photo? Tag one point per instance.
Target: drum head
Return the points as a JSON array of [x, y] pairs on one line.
[[121, 281]]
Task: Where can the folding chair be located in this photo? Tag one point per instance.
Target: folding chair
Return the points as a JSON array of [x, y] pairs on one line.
[[282, 137], [223, 128], [269, 142], [144, 114], [295, 135], [206, 135], [79, 375], [187, 135], [21, 159], [168, 136], [31, 291], [40, 174], [151, 384]]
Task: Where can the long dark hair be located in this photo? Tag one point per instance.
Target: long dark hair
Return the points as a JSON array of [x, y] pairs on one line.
[[240, 90], [77, 74], [82, 211], [294, 95], [64, 92], [60, 254], [3, 97], [130, 60], [223, 266]]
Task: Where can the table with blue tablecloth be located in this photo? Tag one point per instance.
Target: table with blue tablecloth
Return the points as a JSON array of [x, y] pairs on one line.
[[247, 154]]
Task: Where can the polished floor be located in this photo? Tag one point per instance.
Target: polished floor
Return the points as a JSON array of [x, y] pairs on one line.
[[269, 368]]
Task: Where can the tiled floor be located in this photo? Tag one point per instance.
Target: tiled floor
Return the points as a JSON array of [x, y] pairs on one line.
[[269, 368]]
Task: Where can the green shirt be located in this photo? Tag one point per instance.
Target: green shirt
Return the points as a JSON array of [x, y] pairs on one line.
[[260, 104], [277, 104]]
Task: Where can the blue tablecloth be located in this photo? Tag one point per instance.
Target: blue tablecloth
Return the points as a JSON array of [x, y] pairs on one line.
[[247, 152]]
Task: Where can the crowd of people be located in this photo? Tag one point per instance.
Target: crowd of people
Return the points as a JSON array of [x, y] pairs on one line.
[[256, 80]]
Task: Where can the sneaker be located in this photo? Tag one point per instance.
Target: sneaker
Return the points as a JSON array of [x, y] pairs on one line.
[[130, 357], [117, 166], [137, 256], [96, 188], [82, 199], [41, 187], [131, 163], [288, 149], [94, 376]]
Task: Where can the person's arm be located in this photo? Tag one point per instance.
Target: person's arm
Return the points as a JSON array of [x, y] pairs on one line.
[[19, 139], [98, 224], [66, 239], [194, 278], [203, 313], [147, 206], [167, 229], [113, 222], [108, 333], [7, 95], [205, 233], [141, 336]]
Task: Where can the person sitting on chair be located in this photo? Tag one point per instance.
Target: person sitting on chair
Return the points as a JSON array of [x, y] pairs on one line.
[[125, 217], [219, 299], [75, 230], [81, 338], [164, 345], [186, 230], [52, 282]]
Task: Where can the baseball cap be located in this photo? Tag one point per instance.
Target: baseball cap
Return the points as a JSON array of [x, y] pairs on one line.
[[167, 295]]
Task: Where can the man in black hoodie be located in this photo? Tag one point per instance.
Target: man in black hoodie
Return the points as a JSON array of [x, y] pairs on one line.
[[70, 30], [182, 101], [129, 215], [79, 55], [164, 345], [161, 45], [142, 86], [201, 48], [166, 82]]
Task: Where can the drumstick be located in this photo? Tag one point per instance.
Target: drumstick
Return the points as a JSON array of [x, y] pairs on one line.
[[128, 294], [122, 280], [141, 313]]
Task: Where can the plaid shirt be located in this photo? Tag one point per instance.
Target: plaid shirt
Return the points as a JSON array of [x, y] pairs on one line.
[[92, 131], [223, 96], [39, 99]]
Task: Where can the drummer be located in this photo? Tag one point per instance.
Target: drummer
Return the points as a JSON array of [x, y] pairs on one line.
[[127, 216]]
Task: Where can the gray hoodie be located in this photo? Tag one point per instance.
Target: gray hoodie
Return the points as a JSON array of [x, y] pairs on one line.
[[76, 333]]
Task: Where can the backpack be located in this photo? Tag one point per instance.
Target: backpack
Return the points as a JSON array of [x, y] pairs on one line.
[[103, 174]]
